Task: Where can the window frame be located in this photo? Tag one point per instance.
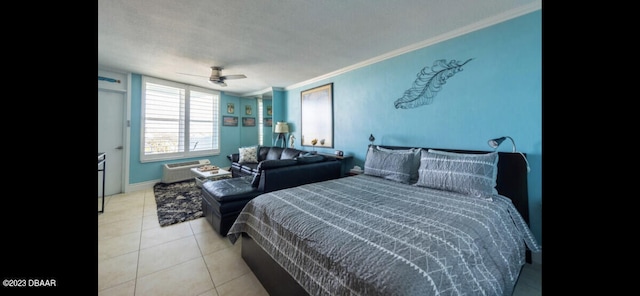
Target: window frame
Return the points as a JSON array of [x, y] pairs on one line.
[[185, 126]]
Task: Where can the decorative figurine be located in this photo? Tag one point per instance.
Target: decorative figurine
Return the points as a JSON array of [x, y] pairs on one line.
[[292, 140], [371, 139]]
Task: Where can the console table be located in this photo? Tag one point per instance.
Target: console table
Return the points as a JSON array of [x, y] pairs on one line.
[[102, 165]]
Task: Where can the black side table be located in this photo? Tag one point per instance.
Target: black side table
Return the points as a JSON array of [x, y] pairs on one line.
[[344, 160]]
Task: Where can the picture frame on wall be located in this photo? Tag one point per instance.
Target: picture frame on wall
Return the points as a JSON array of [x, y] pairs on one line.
[[248, 121], [269, 110], [230, 120], [268, 122], [317, 116], [247, 110], [231, 108]]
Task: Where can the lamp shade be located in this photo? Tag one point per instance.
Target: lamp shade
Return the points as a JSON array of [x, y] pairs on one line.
[[282, 127], [494, 143]]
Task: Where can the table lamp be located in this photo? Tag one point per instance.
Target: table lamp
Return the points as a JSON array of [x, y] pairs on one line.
[[282, 128]]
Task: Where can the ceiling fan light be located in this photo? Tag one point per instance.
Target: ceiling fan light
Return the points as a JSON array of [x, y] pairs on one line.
[[215, 71]]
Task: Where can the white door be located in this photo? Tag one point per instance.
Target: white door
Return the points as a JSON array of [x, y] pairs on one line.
[[110, 139]]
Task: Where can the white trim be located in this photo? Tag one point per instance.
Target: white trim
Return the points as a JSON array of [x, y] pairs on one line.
[[127, 140], [126, 92], [537, 5], [261, 92]]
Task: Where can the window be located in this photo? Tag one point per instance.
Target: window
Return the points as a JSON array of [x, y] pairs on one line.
[[178, 121]]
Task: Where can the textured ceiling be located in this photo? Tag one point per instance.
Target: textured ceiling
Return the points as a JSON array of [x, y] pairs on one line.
[[277, 43]]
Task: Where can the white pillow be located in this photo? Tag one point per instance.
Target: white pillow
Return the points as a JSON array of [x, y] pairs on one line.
[[248, 154], [471, 174]]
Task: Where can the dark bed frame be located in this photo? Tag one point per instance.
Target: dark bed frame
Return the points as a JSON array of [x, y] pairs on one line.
[[511, 183]]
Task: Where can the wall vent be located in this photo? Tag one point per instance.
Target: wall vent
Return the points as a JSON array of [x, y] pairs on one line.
[[180, 171]]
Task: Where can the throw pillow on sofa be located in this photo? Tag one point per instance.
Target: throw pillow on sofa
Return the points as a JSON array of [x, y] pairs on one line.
[[248, 154]]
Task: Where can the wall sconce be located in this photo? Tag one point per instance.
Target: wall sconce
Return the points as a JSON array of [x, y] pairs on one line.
[[281, 129], [494, 143]]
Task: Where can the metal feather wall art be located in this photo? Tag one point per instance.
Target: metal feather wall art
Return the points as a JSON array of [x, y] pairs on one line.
[[428, 83]]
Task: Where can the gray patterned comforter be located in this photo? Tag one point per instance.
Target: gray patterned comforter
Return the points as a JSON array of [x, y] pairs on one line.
[[365, 235]]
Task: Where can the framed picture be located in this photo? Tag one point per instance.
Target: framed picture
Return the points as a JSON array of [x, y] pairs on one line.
[[268, 122], [247, 109], [248, 121], [230, 108], [269, 111], [230, 120], [317, 116]]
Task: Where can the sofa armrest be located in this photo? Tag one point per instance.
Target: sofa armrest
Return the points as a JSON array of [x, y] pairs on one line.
[[291, 176]]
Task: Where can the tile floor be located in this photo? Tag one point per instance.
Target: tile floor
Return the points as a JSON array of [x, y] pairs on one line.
[[138, 257]]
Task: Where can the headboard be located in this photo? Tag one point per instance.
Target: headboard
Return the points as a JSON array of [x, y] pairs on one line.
[[512, 176]]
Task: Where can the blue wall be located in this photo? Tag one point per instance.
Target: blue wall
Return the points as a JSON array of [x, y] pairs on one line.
[[498, 93]]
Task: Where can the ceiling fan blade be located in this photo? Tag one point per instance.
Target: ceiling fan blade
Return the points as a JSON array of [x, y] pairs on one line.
[[192, 75], [237, 76]]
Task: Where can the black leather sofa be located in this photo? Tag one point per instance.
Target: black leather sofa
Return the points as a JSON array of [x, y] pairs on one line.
[[223, 200], [264, 153]]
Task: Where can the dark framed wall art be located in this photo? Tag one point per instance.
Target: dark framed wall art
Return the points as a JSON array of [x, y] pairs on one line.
[[248, 121], [230, 120], [317, 116]]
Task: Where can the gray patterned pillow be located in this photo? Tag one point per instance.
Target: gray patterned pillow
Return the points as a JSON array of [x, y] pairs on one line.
[[248, 154], [471, 174], [415, 164], [392, 166]]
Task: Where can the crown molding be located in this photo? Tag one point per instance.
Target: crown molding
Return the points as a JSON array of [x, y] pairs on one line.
[[537, 5]]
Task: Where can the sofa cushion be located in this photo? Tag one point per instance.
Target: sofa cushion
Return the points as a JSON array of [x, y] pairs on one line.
[[248, 154], [290, 153], [262, 152], [274, 153], [230, 189], [270, 164], [309, 158]]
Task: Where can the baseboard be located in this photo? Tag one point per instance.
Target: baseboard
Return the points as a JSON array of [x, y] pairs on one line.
[[140, 186], [149, 184]]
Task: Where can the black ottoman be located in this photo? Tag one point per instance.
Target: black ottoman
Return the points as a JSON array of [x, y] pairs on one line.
[[223, 200]]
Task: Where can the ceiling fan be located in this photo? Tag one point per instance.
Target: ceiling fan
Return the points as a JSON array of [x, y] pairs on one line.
[[218, 79]]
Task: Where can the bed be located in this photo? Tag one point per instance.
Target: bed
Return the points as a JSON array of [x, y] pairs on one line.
[[419, 221]]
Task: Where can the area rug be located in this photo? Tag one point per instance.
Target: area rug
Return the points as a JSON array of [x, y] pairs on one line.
[[178, 202]]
